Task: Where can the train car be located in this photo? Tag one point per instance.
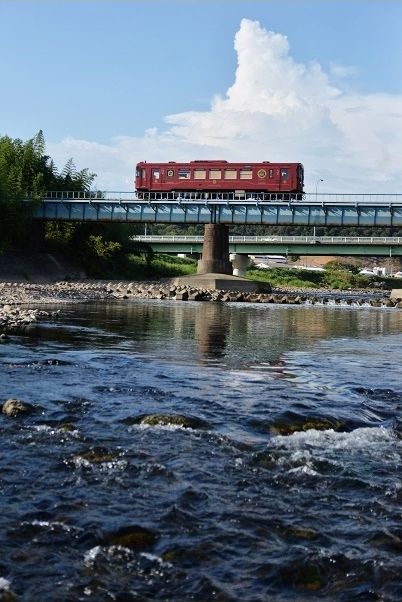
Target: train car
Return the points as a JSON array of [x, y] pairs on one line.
[[219, 179]]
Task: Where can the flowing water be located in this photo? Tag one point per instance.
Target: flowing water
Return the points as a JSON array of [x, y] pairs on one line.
[[203, 451]]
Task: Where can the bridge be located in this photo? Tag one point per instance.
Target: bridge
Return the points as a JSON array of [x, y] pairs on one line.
[[387, 246], [369, 210], [218, 211]]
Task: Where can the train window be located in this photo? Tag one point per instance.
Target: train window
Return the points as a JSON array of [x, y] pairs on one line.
[[137, 172], [184, 174], [271, 173], [230, 174], [200, 174], [284, 173], [246, 174], [215, 174], [155, 174]]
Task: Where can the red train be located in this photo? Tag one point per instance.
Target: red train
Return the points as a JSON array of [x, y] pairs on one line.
[[219, 179]]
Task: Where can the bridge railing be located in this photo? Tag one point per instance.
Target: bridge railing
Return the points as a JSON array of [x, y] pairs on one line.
[[85, 195], [363, 240], [174, 197]]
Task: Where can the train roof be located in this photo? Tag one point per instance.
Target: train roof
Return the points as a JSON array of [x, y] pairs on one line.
[[218, 161]]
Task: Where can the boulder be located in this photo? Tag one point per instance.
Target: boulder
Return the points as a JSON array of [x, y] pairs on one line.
[[16, 407]]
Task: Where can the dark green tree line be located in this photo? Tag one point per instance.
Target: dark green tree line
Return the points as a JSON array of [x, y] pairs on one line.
[[25, 172]]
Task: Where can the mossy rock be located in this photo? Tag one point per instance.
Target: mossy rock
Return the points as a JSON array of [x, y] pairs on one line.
[[316, 423], [67, 426], [132, 537], [306, 576], [96, 455], [190, 422], [301, 533]]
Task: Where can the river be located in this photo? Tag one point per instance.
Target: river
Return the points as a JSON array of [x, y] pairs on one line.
[[203, 451]]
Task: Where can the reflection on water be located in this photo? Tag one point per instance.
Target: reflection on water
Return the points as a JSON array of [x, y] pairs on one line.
[[212, 327], [185, 332]]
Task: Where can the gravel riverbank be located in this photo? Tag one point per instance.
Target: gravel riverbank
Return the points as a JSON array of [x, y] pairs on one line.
[[22, 304]]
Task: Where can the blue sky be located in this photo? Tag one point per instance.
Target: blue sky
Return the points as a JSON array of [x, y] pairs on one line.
[[111, 83]]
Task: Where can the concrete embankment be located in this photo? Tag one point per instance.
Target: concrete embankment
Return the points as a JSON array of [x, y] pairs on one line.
[[21, 266]]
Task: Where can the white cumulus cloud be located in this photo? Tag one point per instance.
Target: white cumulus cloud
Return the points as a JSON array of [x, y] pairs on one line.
[[276, 110]]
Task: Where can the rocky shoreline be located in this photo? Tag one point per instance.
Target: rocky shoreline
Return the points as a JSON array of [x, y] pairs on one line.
[[20, 303]]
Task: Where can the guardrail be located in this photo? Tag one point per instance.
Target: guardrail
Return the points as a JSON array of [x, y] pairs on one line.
[[173, 197], [363, 240]]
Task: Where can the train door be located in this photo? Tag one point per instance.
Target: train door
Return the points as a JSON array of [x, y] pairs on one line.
[[155, 178], [142, 180], [284, 178]]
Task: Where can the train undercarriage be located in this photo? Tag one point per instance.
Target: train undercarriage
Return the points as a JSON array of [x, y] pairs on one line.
[[235, 195]]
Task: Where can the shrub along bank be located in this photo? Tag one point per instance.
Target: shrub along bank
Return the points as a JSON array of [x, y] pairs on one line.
[[142, 266], [330, 279]]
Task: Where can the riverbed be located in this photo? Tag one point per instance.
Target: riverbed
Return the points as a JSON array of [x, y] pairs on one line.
[[202, 451]]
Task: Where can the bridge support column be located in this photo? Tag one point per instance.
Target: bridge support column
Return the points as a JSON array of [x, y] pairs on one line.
[[215, 251], [240, 263], [36, 235]]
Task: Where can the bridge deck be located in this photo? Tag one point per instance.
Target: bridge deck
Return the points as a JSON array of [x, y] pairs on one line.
[[313, 210]]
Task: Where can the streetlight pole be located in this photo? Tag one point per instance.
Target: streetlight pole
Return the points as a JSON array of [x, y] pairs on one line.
[[316, 187], [316, 198]]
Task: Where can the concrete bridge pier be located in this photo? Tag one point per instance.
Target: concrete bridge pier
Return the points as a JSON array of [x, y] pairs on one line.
[[215, 251], [36, 234], [240, 263]]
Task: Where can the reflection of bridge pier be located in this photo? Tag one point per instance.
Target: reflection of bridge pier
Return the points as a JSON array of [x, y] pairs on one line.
[[212, 327]]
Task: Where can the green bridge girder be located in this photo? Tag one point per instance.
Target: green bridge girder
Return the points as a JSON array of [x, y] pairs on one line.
[[363, 246], [313, 210]]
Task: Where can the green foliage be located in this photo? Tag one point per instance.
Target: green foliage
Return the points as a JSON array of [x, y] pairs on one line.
[[292, 230], [103, 249], [171, 229], [330, 279], [163, 266], [337, 264], [59, 236], [286, 277], [137, 267], [25, 172], [72, 179]]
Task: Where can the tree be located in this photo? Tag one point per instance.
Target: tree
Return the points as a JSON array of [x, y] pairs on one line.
[[26, 172]]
